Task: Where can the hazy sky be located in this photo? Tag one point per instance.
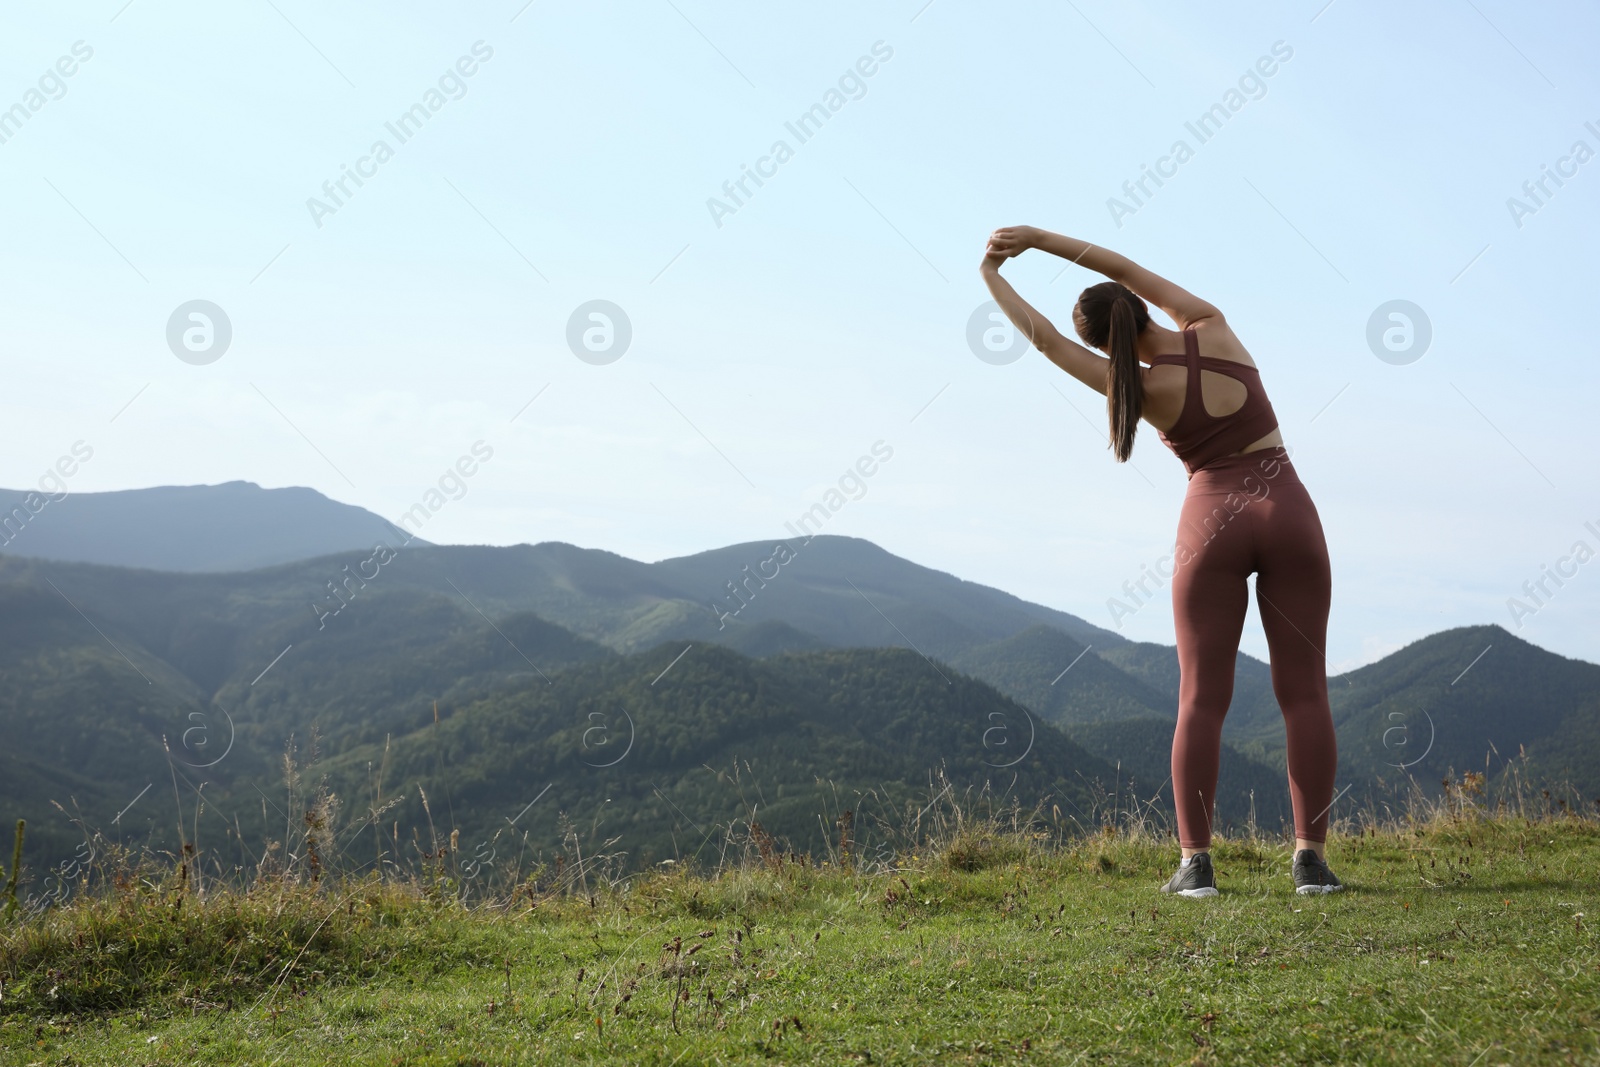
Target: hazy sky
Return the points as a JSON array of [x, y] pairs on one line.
[[570, 153]]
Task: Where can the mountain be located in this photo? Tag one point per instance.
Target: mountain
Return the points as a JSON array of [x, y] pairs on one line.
[[828, 591], [664, 755], [82, 716], [385, 669], [1253, 720], [1058, 677], [1123, 718], [361, 644], [134, 692], [834, 592], [205, 678], [414, 698], [851, 593], [1469, 699], [234, 526], [1571, 753], [1141, 751]]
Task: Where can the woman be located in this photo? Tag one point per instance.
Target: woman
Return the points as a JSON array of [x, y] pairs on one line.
[[1245, 512]]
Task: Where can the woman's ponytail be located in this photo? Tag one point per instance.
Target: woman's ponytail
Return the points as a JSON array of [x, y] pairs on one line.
[[1124, 389], [1110, 317]]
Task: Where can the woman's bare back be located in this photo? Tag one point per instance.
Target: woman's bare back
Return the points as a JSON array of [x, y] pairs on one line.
[[1166, 386]]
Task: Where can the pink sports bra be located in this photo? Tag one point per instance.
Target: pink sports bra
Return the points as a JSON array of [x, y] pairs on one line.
[[1199, 437]]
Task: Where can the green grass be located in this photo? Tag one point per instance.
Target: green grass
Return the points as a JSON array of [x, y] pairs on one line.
[[1461, 941]]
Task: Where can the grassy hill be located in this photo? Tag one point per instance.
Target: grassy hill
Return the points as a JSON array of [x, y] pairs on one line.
[[1462, 938]]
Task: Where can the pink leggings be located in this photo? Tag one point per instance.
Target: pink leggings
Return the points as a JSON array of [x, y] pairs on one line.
[[1245, 514]]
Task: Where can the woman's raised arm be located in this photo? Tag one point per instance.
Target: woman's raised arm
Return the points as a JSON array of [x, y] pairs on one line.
[[1182, 306], [1070, 356]]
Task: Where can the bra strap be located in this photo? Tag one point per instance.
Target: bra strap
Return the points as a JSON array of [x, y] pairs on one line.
[[1191, 349]]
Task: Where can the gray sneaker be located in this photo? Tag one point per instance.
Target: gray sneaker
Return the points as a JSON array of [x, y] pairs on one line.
[[1195, 879], [1313, 875]]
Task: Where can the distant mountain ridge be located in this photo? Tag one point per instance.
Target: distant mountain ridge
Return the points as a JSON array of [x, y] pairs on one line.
[[234, 526], [717, 594]]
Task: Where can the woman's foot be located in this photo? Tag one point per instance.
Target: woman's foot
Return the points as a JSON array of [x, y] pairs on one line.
[[1194, 878], [1313, 875]]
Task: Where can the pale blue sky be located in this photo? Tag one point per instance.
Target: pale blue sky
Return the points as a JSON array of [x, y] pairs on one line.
[[772, 351]]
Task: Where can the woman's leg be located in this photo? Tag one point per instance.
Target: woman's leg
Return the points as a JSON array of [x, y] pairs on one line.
[[1209, 601], [1293, 590]]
